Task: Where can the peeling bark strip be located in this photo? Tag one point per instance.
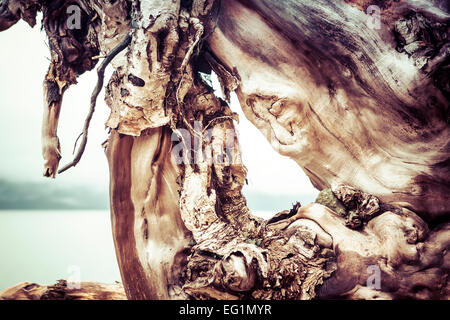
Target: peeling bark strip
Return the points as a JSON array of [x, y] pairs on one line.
[[122, 214], [364, 111]]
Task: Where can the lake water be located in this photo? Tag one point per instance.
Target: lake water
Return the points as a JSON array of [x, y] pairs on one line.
[[44, 246]]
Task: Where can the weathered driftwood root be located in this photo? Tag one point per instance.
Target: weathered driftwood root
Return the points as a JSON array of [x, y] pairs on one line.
[[71, 56], [354, 105], [395, 249], [61, 291], [196, 251]]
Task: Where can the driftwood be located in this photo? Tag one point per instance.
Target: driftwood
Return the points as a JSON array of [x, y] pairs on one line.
[[62, 291], [361, 105]]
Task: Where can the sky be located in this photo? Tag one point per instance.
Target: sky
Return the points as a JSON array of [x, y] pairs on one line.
[[24, 60]]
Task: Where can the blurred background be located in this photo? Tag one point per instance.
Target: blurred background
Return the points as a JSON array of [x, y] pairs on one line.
[[49, 228]]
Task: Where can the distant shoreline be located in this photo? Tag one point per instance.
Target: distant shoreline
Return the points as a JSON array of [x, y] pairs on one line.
[[41, 196]]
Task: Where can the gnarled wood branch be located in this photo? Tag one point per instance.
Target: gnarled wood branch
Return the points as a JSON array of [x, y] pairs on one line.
[[363, 110], [62, 291]]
